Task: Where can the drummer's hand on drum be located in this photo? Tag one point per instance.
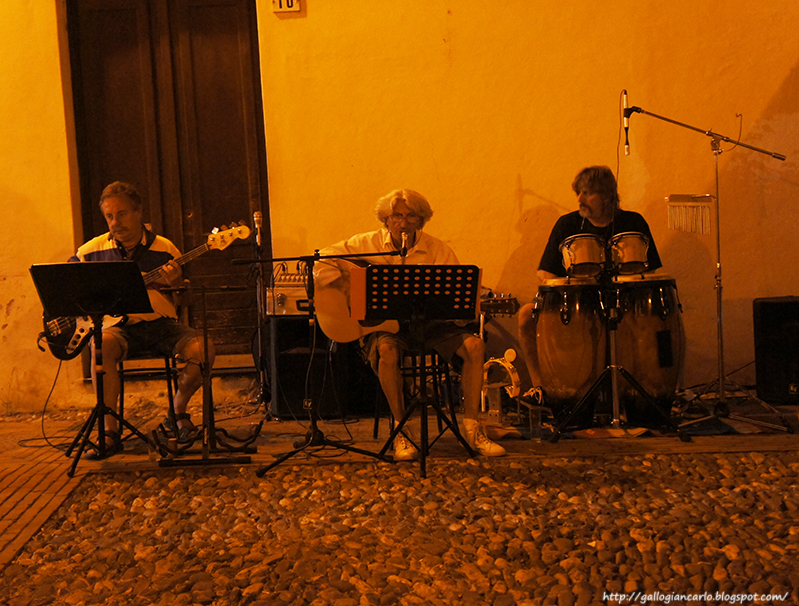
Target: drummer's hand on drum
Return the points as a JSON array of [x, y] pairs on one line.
[[545, 275]]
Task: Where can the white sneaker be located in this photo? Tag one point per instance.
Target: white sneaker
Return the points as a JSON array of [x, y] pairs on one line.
[[478, 440], [404, 450]]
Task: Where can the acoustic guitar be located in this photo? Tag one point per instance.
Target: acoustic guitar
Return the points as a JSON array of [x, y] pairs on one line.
[[333, 314]]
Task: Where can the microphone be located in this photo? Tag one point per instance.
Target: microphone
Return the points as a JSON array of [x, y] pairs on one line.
[[404, 247], [258, 221], [626, 123]]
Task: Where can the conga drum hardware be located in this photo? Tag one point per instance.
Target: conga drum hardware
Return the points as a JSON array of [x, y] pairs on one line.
[[570, 340]]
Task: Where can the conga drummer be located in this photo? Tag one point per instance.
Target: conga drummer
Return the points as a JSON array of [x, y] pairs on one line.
[[597, 258], [600, 219]]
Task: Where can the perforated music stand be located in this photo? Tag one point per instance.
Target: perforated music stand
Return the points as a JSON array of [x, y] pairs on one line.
[[418, 293], [93, 289]]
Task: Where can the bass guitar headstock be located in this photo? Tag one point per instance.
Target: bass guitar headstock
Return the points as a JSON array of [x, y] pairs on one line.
[[222, 237]]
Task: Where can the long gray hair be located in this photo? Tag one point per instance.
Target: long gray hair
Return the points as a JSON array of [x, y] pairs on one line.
[[600, 180]]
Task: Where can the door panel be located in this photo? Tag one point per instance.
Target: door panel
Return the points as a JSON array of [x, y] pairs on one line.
[[167, 96], [217, 129], [116, 106]]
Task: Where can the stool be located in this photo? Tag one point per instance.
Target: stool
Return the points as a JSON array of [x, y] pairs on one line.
[[437, 372], [426, 366]]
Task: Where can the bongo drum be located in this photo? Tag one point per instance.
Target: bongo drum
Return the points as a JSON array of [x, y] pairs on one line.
[[583, 255], [628, 252], [563, 338], [650, 341]]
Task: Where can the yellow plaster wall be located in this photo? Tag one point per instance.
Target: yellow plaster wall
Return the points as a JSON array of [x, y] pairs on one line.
[[490, 108], [35, 197]]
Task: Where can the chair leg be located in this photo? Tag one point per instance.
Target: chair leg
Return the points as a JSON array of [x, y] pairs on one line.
[[450, 395], [436, 370], [379, 398], [376, 429], [121, 409], [171, 388]]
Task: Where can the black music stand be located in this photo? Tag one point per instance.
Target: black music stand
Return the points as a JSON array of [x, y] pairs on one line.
[[93, 289], [418, 293]]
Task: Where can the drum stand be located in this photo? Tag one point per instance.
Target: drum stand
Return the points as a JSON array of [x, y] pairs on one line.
[[721, 409], [612, 372]]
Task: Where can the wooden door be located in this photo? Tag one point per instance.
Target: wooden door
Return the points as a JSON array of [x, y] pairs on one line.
[[167, 96]]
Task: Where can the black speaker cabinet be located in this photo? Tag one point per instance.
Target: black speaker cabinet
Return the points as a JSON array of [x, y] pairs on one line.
[[336, 379], [776, 324]]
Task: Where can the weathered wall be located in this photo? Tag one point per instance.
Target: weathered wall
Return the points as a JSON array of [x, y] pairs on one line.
[[35, 196], [489, 109]]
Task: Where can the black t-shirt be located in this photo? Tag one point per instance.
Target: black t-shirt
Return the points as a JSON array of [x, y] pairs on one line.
[[572, 224]]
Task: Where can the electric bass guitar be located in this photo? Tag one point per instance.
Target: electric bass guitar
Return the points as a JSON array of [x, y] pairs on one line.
[[67, 336]]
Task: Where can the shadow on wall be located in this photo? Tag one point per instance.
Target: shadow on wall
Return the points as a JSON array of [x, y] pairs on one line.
[[519, 273], [534, 225], [759, 240], [687, 258]]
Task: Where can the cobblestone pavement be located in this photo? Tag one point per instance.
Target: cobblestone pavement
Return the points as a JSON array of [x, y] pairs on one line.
[[652, 528]]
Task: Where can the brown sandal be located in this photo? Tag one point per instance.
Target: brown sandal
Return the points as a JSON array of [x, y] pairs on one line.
[[183, 434]]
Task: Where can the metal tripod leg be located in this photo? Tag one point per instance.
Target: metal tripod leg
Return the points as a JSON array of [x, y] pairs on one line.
[[315, 438], [722, 410], [99, 411], [422, 401]]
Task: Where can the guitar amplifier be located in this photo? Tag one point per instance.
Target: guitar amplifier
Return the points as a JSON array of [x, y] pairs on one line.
[[776, 324], [288, 297]]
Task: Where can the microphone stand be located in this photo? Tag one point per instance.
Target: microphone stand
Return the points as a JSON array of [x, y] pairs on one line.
[[264, 393], [721, 409], [314, 436]]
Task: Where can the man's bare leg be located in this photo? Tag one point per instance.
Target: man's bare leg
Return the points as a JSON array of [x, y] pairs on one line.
[[390, 377], [191, 378], [472, 351]]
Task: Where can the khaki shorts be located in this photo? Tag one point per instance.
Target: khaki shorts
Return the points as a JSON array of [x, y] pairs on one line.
[[443, 337], [164, 336]]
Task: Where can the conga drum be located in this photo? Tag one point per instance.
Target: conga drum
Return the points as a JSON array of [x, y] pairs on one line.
[[583, 255], [628, 252], [563, 339], [650, 342]]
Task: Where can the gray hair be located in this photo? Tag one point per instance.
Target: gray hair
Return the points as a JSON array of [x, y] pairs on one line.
[[119, 188], [415, 201]]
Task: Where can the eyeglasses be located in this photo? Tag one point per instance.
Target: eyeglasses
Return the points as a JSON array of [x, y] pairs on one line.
[[398, 217]]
